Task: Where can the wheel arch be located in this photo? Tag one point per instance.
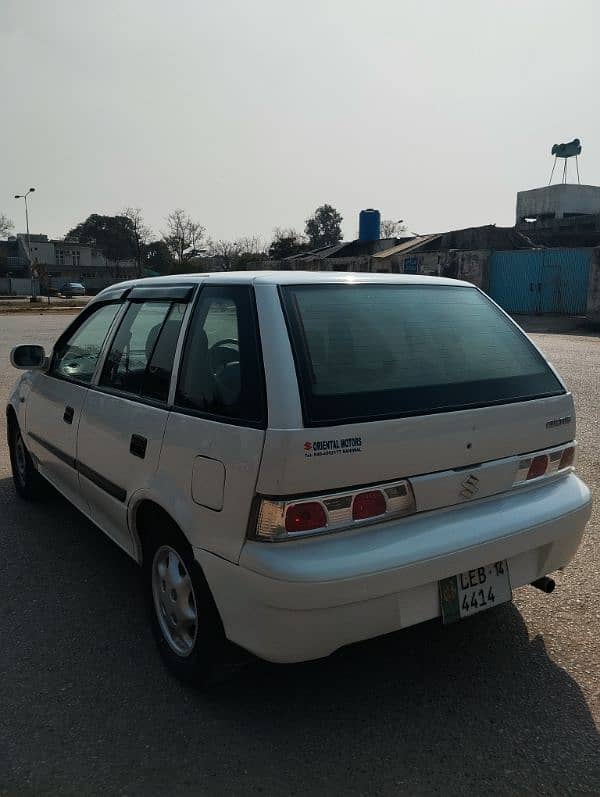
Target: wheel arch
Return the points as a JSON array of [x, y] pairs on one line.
[[11, 415], [146, 515]]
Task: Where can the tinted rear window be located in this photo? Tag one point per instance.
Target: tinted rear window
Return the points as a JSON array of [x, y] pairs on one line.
[[370, 351]]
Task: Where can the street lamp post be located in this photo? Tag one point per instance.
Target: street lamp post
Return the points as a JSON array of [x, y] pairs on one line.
[[24, 196]]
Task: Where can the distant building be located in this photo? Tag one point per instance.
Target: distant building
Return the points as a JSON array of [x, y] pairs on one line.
[[560, 215], [12, 259], [558, 201], [58, 261]]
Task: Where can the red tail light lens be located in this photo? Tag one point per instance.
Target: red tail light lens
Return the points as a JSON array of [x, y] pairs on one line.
[[368, 504], [567, 459], [305, 516], [539, 466], [287, 519]]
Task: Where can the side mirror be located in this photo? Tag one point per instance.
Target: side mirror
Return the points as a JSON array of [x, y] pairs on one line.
[[28, 357]]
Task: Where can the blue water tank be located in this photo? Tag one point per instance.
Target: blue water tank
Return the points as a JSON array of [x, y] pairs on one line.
[[369, 225]]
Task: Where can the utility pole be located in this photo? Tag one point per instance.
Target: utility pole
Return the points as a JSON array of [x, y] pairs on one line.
[[24, 196]]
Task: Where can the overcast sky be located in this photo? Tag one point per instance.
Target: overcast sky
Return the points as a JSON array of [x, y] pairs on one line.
[[251, 113]]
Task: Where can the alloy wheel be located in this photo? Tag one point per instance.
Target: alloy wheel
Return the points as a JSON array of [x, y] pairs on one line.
[[174, 600], [20, 459]]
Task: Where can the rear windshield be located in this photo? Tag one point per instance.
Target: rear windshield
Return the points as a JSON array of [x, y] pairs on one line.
[[368, 351]]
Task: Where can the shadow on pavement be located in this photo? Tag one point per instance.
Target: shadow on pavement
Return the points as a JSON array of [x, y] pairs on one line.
[[477, 707]]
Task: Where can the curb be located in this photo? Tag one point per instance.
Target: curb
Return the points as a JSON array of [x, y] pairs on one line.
[[8, 310]]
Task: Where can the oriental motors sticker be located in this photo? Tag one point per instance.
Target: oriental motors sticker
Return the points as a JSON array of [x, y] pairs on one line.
[[329, 448]]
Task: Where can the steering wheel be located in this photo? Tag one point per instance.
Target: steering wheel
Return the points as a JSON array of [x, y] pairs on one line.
[[225, 341], [220, 354], [72, 361]]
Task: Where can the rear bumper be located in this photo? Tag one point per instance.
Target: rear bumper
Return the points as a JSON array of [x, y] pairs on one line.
[[302, 600]]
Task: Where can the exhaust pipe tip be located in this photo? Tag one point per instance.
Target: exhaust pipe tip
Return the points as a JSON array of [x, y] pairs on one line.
[[545, 584]]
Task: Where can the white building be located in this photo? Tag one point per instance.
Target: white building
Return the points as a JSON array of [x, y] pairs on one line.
[[558, 201], [61, 261]]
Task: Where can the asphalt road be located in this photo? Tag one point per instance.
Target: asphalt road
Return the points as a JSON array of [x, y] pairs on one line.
[[505, 703]]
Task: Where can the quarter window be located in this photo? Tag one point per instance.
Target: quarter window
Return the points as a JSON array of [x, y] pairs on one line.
[[76, 357], [221, 373], [141, 357]]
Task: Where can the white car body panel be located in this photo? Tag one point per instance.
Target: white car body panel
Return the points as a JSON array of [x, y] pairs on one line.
[[107, 425], [46, 429], [403, 447], [239, 449], [303, 599]]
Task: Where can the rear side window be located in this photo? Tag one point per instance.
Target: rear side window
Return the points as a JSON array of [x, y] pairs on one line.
[[370, 351], [158, 371], [141, 356], [221, 371], [76, 355]]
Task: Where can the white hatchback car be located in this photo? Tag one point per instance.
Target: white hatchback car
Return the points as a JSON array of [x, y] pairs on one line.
[[302, 460]]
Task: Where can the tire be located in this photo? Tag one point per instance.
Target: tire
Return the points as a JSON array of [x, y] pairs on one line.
[[28, 482], [195, 650]]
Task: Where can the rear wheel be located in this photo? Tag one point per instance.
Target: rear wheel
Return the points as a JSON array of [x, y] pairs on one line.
[[184, 617], [28, 482]]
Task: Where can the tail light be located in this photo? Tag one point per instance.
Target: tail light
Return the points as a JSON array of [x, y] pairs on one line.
[[567, 459], [306, 516], [289, 519], [368, 504], [545, 463], [538, 467]]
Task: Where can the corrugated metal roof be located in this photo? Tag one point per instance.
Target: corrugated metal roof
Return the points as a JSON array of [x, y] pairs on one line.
[[407, 246], [320, 253]]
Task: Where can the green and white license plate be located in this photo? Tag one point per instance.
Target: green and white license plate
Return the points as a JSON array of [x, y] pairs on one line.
[[474, 591]]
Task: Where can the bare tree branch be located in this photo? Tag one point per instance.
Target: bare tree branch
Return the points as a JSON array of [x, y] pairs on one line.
[[226, 251], [183, 235], [392, 229], [252, 245], [236, 254], [140, 234]]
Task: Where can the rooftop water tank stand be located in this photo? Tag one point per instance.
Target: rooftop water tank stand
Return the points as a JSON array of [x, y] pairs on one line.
[[569, 150]]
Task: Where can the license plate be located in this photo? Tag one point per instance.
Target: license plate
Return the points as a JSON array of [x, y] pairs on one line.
[[474, 591]]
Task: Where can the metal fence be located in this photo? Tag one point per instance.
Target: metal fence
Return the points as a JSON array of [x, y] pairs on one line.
[[18, 286]]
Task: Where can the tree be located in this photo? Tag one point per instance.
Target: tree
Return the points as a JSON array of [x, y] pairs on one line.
[[157, 257], [140, 235], [111, 234], [323, 228], [252, 248], [236, 255], [285, 243], [183, 236], [227, 252], [392, 229], [6, 225]]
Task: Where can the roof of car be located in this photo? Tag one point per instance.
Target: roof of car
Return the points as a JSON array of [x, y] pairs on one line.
[[287, 278]]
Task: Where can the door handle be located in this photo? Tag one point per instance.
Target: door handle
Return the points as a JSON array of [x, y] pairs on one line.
[[137, 446], [68, 415]]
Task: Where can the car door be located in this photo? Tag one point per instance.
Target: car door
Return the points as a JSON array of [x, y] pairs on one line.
[[215, 432], [57, 396], [125, 413]]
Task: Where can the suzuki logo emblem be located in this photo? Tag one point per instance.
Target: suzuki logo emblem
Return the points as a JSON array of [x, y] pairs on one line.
[[470, 486]]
